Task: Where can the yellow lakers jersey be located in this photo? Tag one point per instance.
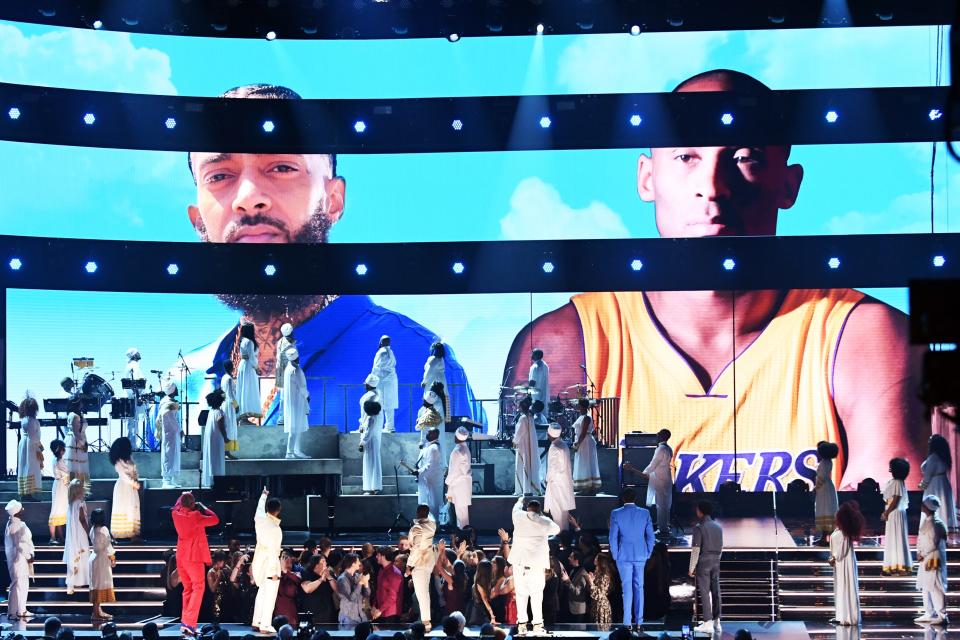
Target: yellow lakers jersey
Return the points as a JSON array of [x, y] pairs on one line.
[[783, 395]]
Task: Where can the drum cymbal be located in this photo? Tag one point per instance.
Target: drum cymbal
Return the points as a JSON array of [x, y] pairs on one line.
[[577, 386], [522, 387]]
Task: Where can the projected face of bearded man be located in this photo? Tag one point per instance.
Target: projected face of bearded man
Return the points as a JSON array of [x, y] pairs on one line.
[[265, 198]]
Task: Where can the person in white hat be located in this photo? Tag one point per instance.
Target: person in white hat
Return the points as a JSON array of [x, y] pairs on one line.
[[370, 394], [527, 466], [428, 416], [460, 478], [296, 403], [18, 548], [430, 473], [285, 342], [558, 500], [168, 433], [385, 368], [132, 371], [932, 561]]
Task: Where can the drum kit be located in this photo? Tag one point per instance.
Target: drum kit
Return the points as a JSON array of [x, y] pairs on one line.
[[562, 409]]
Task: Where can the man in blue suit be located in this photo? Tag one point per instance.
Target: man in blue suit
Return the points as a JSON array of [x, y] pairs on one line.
[[631, 542]]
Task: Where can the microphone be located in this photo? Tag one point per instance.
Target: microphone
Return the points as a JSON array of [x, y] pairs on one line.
[[583, 366]]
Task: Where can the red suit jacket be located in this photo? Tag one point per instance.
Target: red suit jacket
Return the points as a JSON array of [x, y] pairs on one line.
[[191, 526]]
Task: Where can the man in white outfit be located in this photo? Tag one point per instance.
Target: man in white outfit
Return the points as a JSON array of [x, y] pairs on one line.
[[659, 477], [558, 499], [266, 561], [385, 368], [460, 478], [296, 404], [540, 378], [530, 557], [932, 561], [168, 433], [285, 342], [133, 372], [422, 559], [430, 474], [18, 547]]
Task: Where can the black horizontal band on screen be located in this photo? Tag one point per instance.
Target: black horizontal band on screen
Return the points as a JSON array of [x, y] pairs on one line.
[[502, 123], [484, 267], [368, 19]]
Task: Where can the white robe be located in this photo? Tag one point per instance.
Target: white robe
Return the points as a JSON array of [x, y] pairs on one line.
[[559, 499], [78, 464], [248, 383], [586, 465], [29, 467], [434, 370], [18, 548], [540, 374], [385, 368], [932, 570], [430, 478], [660, 481], [528, 457], [366, 397], [846, 590], [296, 402], [58, 501], [371, 429], [76, 548], [281, 362], [212, 450], [936, 481], [125, 508], [101, 573], [134, 372], [460, 482], [168, 432], [896, 545], [825, 503], [266, 563], [230, 405]]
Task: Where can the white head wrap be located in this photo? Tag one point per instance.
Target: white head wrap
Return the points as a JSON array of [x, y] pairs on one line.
[[384, 337], [170, 388], [932, 502], [372, 380], [431, 397], [292, 354], [132, 351], [286, 329], [462, 434], [553, 430], [13, 507]]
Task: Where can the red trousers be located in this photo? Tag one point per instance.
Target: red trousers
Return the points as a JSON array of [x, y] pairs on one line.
[[192, 575]]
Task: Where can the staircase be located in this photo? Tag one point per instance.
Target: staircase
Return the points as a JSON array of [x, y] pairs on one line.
[[748, 585]]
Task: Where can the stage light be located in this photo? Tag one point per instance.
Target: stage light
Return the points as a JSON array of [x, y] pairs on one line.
[[270, 270], [934, 114], [636, 265], [939, 261], [833, 263], [831, 116], [359, 126], [729, 264], [89, 118], [97, 24], [268, 126], [15, 264], [548, 267], [458, 268], [14, 113], [361, 269], [635, 30], [727, 119], [457, 125], [271, 35], [545, 122], [170, 123], [636, 120], [453, 37], [540, 28], [91, 267], [173, 269]]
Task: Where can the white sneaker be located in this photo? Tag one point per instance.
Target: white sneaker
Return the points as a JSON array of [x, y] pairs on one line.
[[301, 455], [716, 626], [935, 622], [925, 618], [389, 430], [291, 456], [357, 431], [704, 627], [538, 630]]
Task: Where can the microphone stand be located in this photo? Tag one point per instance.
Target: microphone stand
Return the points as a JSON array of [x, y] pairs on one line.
[[184, 376], [400, 518], [501, 421]]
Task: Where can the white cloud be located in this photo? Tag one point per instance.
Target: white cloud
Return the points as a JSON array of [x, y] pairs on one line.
[[907, 213], [83, 59], [538, 211], [616, 63]]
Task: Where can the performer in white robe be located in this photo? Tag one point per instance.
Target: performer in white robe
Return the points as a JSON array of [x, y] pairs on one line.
[[897, 559], [558, 500], [460, 478], [266, 561], [428, 416], [586, 465], [19, 551], [296, 405], [212, 454], [168, 433], [29, 451], [248, 380], [371, 428], [932, 561], [125, 508], [540, 377], [132, 371], [528, 452], [825, 502], [659, 477], [78, 464], [385, 368], [102, 560], [434, 370], [370, 393], [936, 481], [430, 474], [230, 405], [530, 557], [58, 501], [843, 558], [422, 559], [76, 546], [285, 342]]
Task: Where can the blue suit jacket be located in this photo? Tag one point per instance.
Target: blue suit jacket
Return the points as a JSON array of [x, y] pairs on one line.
[[631, 534]]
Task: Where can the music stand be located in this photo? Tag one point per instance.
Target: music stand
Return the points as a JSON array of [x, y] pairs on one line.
[[56, 406]]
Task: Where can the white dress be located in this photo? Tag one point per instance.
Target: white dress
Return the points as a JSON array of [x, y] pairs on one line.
[[558, 499], [168, 429], [101, 573], [29, 466], [76, 547], [434, 370], [430, 478], [248, 383], [229, 407], [460, 482], [58, 502], [846, 590], [385, 368], [125, 508], [528, 457], [78, 464], [540, 374], [825, 499], [296, 404], [896, 546], [371, 430], [212, 453], [586, 466], [936, 481]]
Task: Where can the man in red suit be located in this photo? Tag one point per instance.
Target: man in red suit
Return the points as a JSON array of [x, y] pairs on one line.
[[191, 520]]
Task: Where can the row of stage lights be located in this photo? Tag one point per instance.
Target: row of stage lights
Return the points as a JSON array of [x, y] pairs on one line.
[[360, 126], [458, 267]]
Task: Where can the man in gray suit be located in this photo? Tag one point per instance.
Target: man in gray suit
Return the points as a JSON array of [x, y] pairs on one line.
[[705, 566], [631, 542]]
